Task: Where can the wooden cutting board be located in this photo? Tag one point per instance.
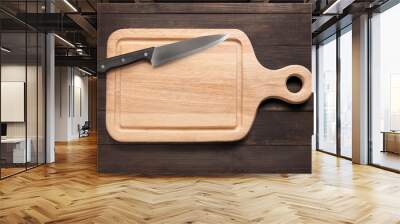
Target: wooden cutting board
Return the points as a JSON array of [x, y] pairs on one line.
[[210, 96]]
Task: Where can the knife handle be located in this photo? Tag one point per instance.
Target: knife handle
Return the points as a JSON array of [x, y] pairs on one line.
[[124, 59]]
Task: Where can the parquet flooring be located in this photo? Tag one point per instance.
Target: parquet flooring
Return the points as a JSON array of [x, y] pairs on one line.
[[11, 170], [71, 191]]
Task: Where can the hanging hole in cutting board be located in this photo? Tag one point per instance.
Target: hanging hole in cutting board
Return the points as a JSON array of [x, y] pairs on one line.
[[294, 84]]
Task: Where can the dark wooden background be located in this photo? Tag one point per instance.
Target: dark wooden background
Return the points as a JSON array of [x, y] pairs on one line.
[[280, 139]]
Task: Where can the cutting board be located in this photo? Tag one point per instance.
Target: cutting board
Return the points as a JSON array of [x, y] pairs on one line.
[[210, 96]]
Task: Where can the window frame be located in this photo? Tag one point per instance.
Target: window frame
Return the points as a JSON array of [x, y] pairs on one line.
[[337, 34]]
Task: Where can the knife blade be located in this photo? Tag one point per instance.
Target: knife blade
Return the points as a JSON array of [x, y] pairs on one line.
[[162, 54]]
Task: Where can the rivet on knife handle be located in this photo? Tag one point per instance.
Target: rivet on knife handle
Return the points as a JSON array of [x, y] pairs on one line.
[[124, 59]]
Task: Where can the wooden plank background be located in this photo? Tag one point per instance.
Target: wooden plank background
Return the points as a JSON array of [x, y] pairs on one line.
[[280, 139]]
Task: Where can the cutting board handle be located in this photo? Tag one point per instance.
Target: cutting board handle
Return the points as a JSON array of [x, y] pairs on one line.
[[281, 78]]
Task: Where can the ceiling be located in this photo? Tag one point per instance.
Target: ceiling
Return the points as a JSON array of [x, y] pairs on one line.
[[76, 21]]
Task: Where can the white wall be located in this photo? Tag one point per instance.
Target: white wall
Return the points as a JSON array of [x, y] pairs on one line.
[[80, 110], [62, 82], [14, 73], [17, 73], [71, 102]]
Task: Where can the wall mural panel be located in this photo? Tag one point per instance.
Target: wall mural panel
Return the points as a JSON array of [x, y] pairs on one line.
[[280, 138]]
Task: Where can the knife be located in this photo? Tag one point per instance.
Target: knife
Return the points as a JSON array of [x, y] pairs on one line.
[[162, 54]]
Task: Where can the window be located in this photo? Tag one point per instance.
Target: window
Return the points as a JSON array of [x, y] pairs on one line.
[[385, 89], [346, 92], [334, 109], [327, 95]]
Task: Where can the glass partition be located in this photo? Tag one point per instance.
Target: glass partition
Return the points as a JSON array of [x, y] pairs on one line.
[[22, 91], [13, 94]]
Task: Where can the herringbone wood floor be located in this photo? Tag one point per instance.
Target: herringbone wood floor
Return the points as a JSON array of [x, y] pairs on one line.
[[71, 191]]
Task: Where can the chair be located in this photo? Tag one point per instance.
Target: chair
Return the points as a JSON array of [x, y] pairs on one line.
[[84, 130]]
